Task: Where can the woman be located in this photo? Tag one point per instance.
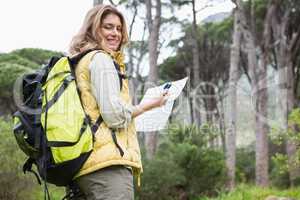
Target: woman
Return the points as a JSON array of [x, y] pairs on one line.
[[108, 173]]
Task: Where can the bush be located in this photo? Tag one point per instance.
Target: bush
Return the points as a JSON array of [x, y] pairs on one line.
[[245, 165], [183, 167], [160, 180], [280, 164], [279, 172]]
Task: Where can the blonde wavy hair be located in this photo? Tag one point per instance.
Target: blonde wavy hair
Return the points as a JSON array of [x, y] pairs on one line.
[[89, 36]]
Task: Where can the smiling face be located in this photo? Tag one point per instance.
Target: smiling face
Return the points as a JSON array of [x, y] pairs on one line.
[[111, 31]]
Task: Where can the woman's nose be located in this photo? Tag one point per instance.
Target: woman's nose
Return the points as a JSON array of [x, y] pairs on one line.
[[115, 31]]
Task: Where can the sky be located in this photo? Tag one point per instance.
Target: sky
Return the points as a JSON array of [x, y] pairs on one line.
[[47, 24], [50, 24]]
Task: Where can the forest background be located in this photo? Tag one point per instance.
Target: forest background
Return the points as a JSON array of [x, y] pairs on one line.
[[233, 134]]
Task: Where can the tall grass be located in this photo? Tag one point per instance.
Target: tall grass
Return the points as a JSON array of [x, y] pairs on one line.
[[248, 192], [56, 193]]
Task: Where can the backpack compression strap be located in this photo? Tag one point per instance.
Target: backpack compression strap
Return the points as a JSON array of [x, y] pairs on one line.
[[59, 92], [65, 144]]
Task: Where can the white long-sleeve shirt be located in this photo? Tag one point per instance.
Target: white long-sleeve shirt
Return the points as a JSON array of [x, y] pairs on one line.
[[106, 89]]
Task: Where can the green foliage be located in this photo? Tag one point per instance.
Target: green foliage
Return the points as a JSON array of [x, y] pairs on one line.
[[249, 192], [214, 45], [260, 7], [245, 166], [279, 171], [160, 179], [56, 193], [277, 153], [13, 65], [294, 118], [14, 186], [173, 68], [184, 165], [16, 59], [220, 31], [181, 2], [9, 72], [39, 56], [280, 163]]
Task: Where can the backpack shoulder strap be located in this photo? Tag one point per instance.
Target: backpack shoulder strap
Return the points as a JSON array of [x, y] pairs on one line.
[[27, 167], [87, 56], [74, 60], [85, 59]]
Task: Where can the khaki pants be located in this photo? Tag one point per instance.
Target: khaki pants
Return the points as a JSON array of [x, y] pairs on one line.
[[111, 183]]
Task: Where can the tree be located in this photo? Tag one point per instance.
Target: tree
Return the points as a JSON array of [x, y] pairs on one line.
[[257, 69], [277, 38], [196, 64], [214, 52], [137, 50], [232, 95], [154, 23], [286, 40], [12, 66], [193, 41], [36, 55]]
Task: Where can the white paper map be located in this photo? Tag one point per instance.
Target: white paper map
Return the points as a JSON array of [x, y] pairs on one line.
[[156, 119]]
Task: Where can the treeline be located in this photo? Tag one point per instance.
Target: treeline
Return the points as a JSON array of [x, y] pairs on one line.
[[12, 66]]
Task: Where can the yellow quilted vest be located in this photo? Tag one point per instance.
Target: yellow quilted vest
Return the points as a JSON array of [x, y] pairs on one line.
[[105, 153]]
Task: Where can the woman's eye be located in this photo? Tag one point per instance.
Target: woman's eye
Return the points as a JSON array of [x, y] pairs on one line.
[[109, 27], [112, 27]]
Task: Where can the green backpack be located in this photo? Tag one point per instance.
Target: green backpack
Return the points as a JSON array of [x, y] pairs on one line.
[[50, 125]]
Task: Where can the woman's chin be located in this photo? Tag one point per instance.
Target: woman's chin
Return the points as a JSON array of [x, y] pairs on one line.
[[113, 47]]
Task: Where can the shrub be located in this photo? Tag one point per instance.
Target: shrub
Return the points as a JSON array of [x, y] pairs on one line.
[[183, 167], [280, 164], [245, 165]]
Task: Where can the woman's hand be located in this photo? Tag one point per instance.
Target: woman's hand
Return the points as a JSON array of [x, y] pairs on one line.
[[157, 102], [151, 104]]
